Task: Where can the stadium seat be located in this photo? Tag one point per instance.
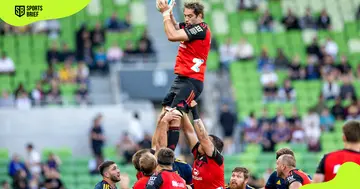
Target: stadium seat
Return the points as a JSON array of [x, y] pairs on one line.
[[4, 153]]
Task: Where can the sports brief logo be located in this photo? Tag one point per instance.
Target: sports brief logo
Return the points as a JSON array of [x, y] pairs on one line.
[[28, 10], [19, 10]]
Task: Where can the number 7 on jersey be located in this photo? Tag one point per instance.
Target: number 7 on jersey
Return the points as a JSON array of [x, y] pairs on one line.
[[198, 62]]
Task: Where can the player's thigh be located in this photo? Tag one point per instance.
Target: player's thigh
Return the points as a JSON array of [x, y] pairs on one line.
[[169, 97], [187, 93]]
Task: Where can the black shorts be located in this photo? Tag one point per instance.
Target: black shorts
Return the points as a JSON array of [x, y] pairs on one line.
[[182, 92]]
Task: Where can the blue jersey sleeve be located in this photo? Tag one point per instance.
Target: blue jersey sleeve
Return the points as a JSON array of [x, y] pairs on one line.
[[187, 173], [184, 170], [271, 182]]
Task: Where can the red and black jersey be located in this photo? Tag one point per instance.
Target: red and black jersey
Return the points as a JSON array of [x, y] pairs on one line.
[[141, 183], [139, 175], [331, 162], [166, 179], [193, 54], [297, 175], [208, 172]]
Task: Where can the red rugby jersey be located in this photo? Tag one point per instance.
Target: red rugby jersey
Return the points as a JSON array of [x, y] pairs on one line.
[[208, 172], [331, 162], [166, 179], [298, 176], [141, 183], [193, 54]]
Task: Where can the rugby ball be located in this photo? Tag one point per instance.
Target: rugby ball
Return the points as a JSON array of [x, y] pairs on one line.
[[169, 2]]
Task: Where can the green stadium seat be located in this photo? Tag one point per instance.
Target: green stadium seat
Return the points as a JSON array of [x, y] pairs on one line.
[[253, 149], [4, 153], [110, 152]]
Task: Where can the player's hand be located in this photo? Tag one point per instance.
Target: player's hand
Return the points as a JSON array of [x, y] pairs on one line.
[[125, 181], [165, 8], [171, 115], [193, 103]]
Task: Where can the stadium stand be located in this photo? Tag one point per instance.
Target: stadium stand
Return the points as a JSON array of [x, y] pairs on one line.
[[28, 52]]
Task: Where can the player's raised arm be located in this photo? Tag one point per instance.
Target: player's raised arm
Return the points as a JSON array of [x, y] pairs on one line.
[[206, 145], [189, 131], [192, 29]]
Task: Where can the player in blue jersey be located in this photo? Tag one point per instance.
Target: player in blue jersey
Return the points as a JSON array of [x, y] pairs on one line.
[[111, 175], [275, 182], [239, 179]]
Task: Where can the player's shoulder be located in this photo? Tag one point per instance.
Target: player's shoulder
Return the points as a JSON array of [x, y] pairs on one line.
[[204, 25], [179, 161], [102, 185], [249, 187]]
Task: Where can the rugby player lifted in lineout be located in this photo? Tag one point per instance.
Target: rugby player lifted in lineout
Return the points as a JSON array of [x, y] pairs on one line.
[[194, 36]]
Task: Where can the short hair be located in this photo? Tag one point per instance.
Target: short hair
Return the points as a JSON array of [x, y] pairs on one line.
[[196, 6], [283, 151], [30, 145], [136, 158], [218, 143], [242, 170], [165, 156], [288, 160], [147, 163], [104, 166], [351, 131]]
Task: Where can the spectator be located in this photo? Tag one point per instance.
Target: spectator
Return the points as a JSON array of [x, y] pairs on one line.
[[82, 73], [20, 180], [294, 120], [331, 48], [6, 64], [145, 52], [264, 117], [53, 162], [67, 74], [38, 95], [308, 21], [53, 55], [357, 15], [49, 75], [291, 22], [19, 90], [298, 136], [127, 148], [82, 95], [295, 69], [125, 24], [145, 37], [129, 48], [347, 90], [330, 88], [324, 21], [23, 101], [353, 113], [281, 61], [244, 50], [101, 61], [266, 22], [98, 35], [338, 110], [114, 53], [66, 53], [113, 22], [327, 120], [357, 72], [267, 143], [97, 136], [344, 67], [6, 100], [15, 165], [53, 96], [53, 181], [228, 123], [314, 49], [227, 54], [249, 5], [282, 134], [311, 125], [268, 81], [321, 104], [251, 121], [328, 66], [252, 135], [287, 93], [82, 35], [265, 60], [146, 142], [33, 160], [5, 185], [94, 164], [135, 131], [312, 70], [279, 117], [87, 55], [53, 28]]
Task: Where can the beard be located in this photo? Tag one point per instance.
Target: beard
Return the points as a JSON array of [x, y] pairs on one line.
[[115, 179], [236, 186]]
